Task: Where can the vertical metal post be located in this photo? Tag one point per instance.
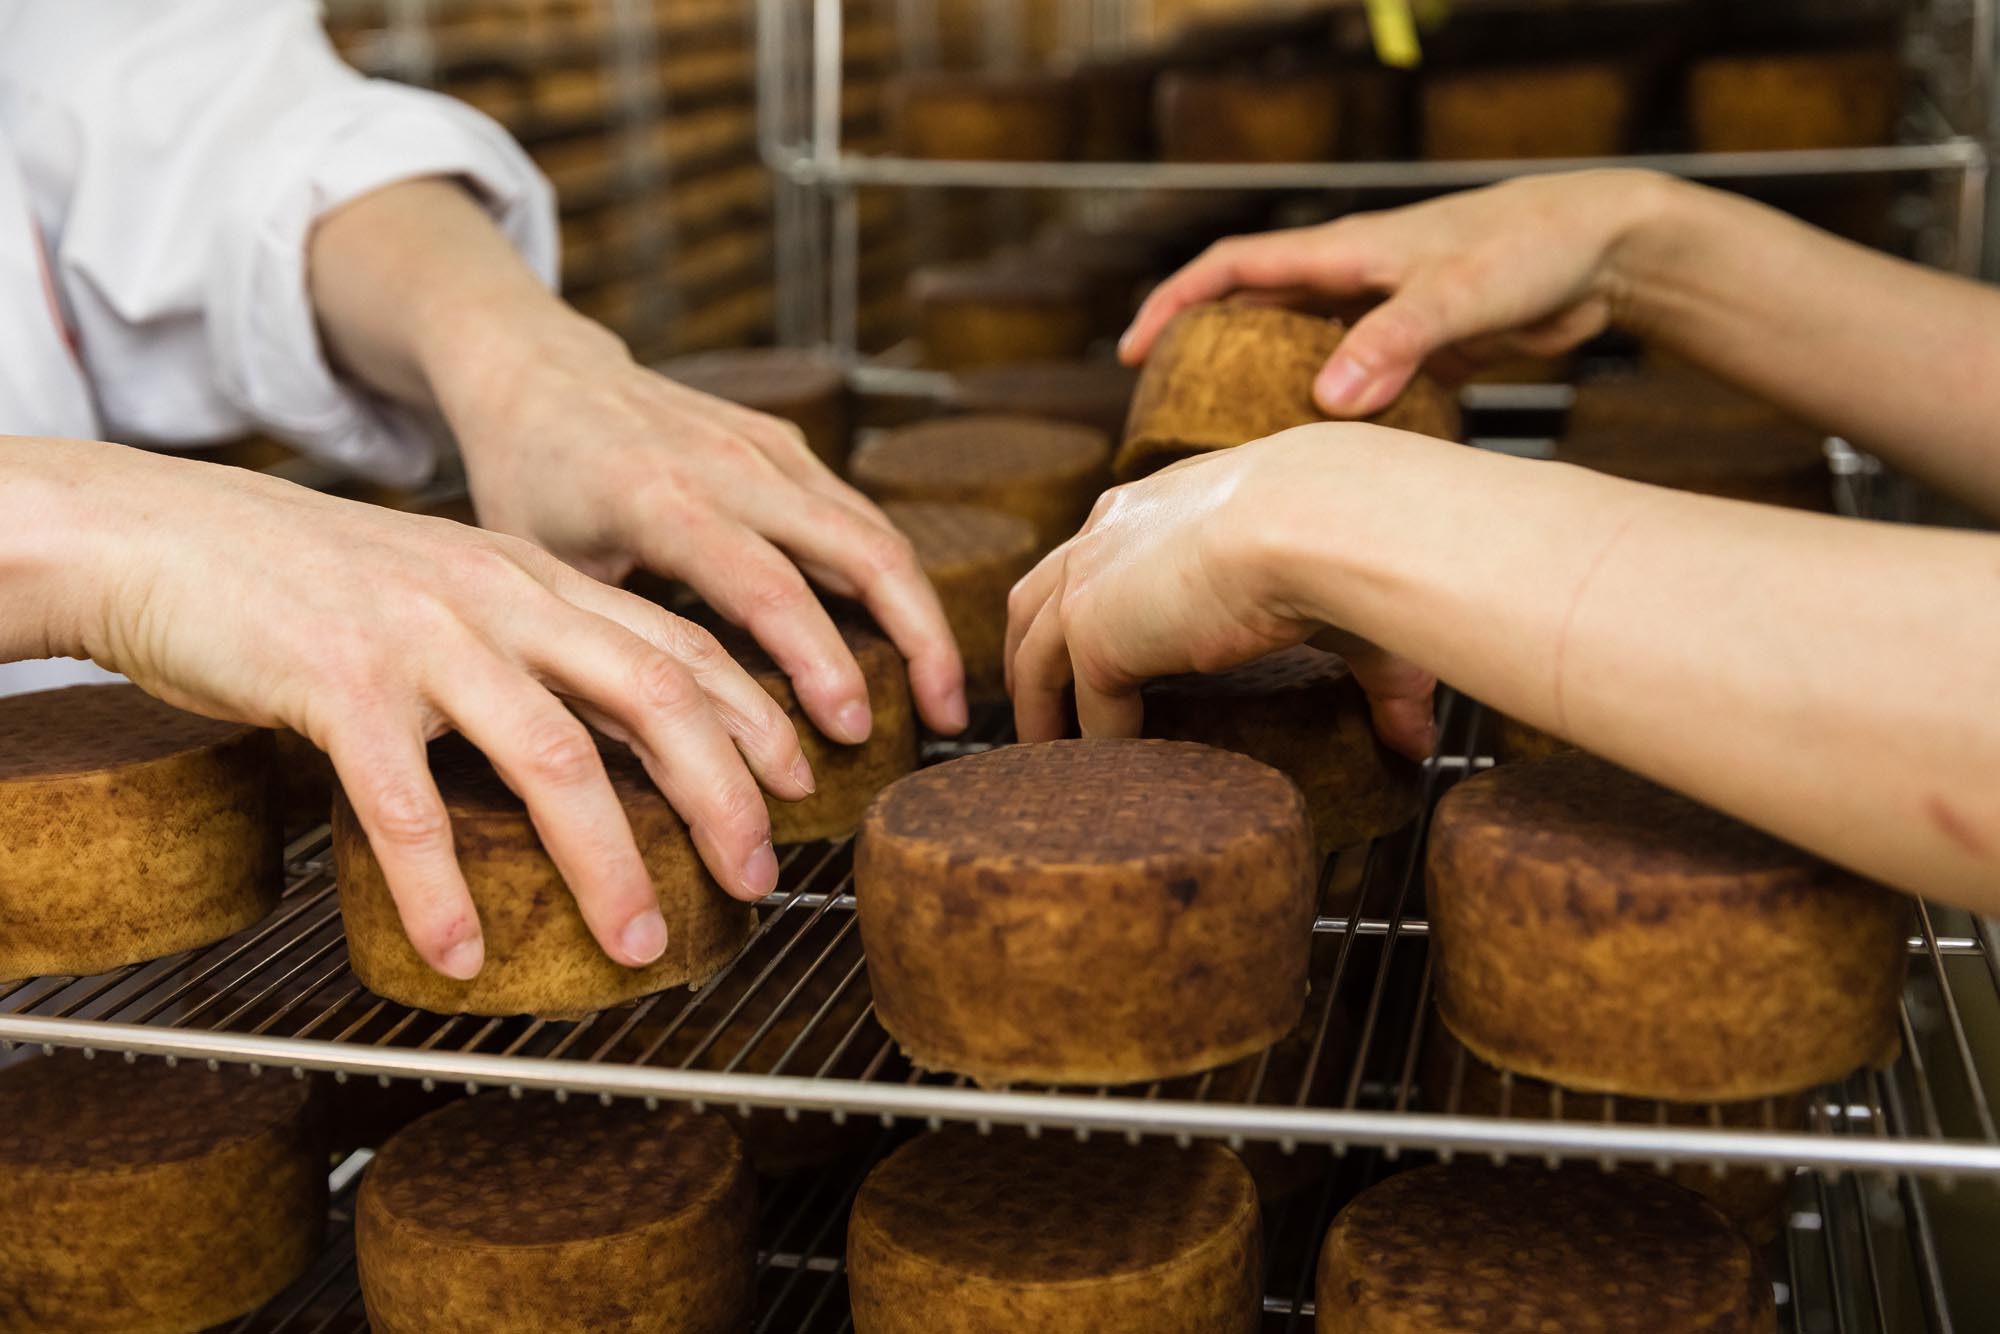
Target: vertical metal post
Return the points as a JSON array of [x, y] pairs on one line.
[[826, 47], [412, 53], [844, 303], [1969, 231]]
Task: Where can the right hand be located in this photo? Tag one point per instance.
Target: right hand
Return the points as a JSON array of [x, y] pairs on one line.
[[1527, 267], [369, 631]]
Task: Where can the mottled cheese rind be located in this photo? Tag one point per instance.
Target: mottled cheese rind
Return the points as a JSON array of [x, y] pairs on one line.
[[1047, 472], [973, 557], [801, 387]]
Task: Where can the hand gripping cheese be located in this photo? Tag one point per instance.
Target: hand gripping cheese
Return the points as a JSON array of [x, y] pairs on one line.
[[540, 956], [1610, 936], [973, 557], [129, 830], [1049, 473], [804, 389], [153, 1199], [957, 1233], [1475, 1249], [1096, 911], [497, 1216]]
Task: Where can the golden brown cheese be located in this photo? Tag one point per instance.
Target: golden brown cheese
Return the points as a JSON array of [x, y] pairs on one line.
[[1049, 473], [973, 557], [973, 116], [994, 312], [1581, 110], [801, 387], [1797, 100], [1248, 117]]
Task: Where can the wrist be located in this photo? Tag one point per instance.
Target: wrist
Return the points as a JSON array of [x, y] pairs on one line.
[[52, 584], [1656, 235]]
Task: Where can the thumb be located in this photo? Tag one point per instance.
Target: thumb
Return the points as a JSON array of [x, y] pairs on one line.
[[1377, 357]]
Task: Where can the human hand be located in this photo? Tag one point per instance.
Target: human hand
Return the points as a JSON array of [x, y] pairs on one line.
[[1527, 267], [1183, 572]]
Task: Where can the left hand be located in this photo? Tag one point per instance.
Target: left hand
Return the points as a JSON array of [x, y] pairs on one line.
[[1179, 572]]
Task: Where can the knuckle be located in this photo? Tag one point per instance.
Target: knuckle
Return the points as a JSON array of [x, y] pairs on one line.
[[659, 682], [405, 816], [884, 551], [773, 597], [559, 752]]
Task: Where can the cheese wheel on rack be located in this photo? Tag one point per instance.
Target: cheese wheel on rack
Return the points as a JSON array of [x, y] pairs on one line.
[[958, 1233], [973, 558], [129, 830], [1097, 394], [1225, 373], [1049, 473], [497, 1216], [1582, 110], [970, 116], [997, 311], [1474, 1249], [1511, 741], [540, 956], [1091, 912], [1795, 100], [153, 1199], [305, 783], [1300, 712], [804, 389], [1610, 936], [1247, 117]]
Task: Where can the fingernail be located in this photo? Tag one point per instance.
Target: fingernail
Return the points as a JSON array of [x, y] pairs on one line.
[[760, 872], [644, 938], [1124, 343], [853, 723], [802, 774], [955, 715], [1340, 384], [463, 961]]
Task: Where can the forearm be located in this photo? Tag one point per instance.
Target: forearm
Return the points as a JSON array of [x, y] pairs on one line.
[[1826, 680], [1896, 357]]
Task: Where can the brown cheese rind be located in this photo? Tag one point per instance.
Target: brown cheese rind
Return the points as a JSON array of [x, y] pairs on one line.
[[129, 830], [1581, 110], [957, 1233], [803, 388], [968, 116], [998, 311], [153, 1199], [1255, 117], [496, 1216], [1475, 1249], [973, 557], [1226, 373], [1770, 103], [1096, 911], [1049, 473], [540, 955], [1096, 394], [1610, 936]]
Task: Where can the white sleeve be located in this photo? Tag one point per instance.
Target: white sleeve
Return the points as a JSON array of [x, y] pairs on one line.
[[180, 153]]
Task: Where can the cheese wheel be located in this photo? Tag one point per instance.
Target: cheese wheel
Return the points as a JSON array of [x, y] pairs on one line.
[[973, 558], [1097, 911], [1613, 937], [957, 1233], [1512, 740], [305, 783], [129, 830], [971, 116], [1226, 373], [540, 956], [996, 311], [1582, 110], [496, 1216], [1475, 1249], [153, 1199], [1247, 117], [1096, 394], [1049, 473], [1300, 712], [1796, 100], [804, 389]]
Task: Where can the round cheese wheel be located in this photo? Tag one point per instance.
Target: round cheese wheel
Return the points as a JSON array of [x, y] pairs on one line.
[[1795, 100], [957, 1233], [1096, 911], [129, 830], [1096, 394], [153, 1199], [973, 116], [1613, 937], [305, 783], [540, 956], [1049, 473], [1476, 1249], [497, 1216], [1581, 110], [993, 312], [1512, 740], [1226, 373], [973, 557], [805, 389], [1247, 117], [1299, 711]]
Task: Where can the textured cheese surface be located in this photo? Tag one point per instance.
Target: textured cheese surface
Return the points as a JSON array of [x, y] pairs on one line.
[[87, 729], [769, 379], [104, 1115], [973, 556], [972, 450]]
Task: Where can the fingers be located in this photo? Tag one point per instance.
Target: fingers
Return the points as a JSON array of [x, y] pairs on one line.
[[1024, 602], [1104, 710], [1385, 348], [1308, 258], [1400, 694], [1041, 676], [387, 778]]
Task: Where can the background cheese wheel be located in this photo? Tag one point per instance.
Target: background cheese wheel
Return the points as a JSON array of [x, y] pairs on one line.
[[957, 1233], [1299, 711], [993, 312], [153, 1199], [802, 387], [973, 557], [1097, 394], [496, 1216], [129, 830], [540, 956], [1095, 911], [1610, 936], [1512, 740], [976, 116], [1794, 100], [1471, 1248], [1226, 373], [1049, 473], [1248, 117], [1580, 110]]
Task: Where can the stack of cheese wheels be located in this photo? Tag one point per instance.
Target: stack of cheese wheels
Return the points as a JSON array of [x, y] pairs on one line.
[[1049, 473], [497, 1216], [1097, 394], [973, 557], [1300, 712], [994, 311], [802, 387], [970, 116], [1580, 110], [993, 1234], [1097, 911], [1807, 99], [128, 830], [1470, 1248], [540, 955], [1610, 936], [1247, 117], [1226, 373], [152, 1199]]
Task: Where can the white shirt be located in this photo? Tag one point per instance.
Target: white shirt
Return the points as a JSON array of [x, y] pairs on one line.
[[162, 163]]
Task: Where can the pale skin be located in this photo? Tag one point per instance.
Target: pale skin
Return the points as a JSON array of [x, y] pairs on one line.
[[1828, 680], [370, 631]]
